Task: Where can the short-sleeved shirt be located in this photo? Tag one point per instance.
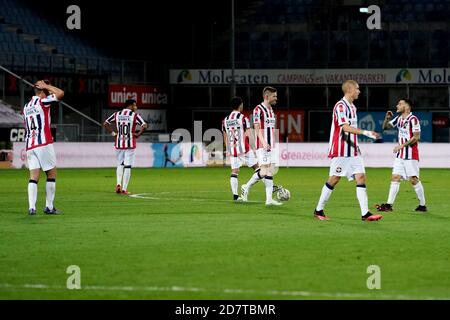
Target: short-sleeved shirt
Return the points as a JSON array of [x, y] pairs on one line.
[[235, 125], [266, 118], [343, 144], [36, 115], [406, 129], [126, 121]]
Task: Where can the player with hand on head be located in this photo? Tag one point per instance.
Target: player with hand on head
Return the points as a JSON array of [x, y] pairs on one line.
[[264, 121], [39, 143], [406, 163], [235, 128], [344, 152], [126, 121]]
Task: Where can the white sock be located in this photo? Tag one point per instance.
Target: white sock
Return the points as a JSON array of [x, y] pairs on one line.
[[50, 188], [32, 194], [420, 193], [361, 194], [327, 190], [393, 190], [119, 174], [253, 180], [268, 181], [126, 177], [234, 184]]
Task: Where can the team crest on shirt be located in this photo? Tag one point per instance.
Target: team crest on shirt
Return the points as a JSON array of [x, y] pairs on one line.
[[338, 170]]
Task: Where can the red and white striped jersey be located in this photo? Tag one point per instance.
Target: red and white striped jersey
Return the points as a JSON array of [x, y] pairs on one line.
[[343, 144], [126, 121], [36, 115], [267, 120], [406, 129], [235, 125]]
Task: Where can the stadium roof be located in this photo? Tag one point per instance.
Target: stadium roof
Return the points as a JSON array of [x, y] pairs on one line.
[[8, 116]]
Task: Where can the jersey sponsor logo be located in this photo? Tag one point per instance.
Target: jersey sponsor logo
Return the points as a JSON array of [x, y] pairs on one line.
[[233, 123], [30, 111], [123, 118]]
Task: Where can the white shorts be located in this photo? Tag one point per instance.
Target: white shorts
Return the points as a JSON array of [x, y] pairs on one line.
[[347, 167], [42, 157], [125, 157], [406, 168], [248, 158], [267, 157]]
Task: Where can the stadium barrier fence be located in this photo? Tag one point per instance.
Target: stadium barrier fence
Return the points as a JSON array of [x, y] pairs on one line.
[[148, 155]]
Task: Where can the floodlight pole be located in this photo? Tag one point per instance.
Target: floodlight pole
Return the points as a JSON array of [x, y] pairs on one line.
[[232, 55]]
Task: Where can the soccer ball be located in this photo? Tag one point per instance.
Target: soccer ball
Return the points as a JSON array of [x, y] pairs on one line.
[[283, 194]]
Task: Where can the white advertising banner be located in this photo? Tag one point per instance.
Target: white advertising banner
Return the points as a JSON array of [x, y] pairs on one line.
[[375, 155], [432, 76], [102, 154]]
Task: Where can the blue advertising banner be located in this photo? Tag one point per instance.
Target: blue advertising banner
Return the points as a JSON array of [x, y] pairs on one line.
[[167, 155], [374, 121]]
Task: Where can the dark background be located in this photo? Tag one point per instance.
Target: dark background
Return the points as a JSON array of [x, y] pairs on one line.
[[150, 30]]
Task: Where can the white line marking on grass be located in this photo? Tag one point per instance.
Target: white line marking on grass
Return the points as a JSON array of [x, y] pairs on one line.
[[337, 295], [150, 196]]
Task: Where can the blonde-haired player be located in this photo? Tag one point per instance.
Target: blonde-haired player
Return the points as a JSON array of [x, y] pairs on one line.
[[264, 121], [344, 152]]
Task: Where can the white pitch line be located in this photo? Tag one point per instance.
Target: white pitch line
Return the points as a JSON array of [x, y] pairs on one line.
[[336, 295], [144, 196]]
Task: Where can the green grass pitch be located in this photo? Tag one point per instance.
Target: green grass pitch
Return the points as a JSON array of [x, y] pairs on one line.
[[185, 239]]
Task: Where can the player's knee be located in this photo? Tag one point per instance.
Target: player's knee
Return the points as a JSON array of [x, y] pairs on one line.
[[51, 174], [395, 178], [360, 178], [414, 180], [33, 179], [34, 174], [258, 172], [333, 180]]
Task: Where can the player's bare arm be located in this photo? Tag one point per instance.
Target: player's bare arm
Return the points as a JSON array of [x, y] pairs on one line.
[[141, 131], [261, 136], [249, 133], [387, 119], [411, 142], [59, 94], [371, 134], [109, 128], [225, 140]]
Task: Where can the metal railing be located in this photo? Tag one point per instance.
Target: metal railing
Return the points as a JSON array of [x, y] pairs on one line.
[[64, 132], [117, 70]]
